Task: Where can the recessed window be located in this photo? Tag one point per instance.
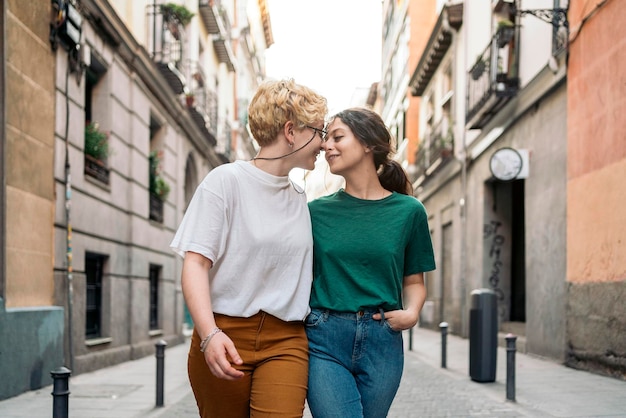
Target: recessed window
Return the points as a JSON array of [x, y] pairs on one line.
[[94, 273], [155, 273]]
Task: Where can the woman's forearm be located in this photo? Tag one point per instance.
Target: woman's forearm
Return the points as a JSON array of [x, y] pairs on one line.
[[414, 291], [195, 286]]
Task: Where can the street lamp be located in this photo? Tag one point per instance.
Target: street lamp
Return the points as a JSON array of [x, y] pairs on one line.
[[557, 17]]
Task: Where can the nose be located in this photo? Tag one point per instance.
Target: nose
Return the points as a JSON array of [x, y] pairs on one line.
[[326, 145]]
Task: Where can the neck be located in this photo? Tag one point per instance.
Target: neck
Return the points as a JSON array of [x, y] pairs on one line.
[[275, 167], [366, 189]]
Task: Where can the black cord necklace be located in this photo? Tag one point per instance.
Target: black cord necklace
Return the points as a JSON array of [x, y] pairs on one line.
[[286, 155]]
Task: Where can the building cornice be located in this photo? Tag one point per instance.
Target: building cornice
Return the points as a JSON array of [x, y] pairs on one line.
[[450, 20], [267, 23]]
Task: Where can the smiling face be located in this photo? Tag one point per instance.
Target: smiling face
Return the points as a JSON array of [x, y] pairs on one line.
[[344, 151], [310, 141]]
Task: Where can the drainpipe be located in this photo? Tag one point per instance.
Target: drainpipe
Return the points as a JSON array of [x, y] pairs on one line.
[[2, 149], [68, 205], [463, 214], [463, 198]]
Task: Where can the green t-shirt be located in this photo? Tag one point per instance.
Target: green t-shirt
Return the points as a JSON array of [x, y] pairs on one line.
[[362, 249]]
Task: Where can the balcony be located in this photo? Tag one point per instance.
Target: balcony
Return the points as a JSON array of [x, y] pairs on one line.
[[209, 13], [167, 40], [217, 22], [201, 101], [493, 79], [156, 209], [435, 150], [96, 169]]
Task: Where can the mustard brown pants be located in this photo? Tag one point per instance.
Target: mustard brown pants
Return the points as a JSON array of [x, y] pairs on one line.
[[275, 362]]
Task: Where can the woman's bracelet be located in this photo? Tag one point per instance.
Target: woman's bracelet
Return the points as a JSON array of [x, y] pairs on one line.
[[204, 343]]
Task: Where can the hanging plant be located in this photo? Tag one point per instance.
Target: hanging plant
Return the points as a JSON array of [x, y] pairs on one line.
[[158, 186], [177, 12], [505, 31]]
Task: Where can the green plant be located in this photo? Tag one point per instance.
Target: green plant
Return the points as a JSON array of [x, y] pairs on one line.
[[177, 12], [505, 23], [446, 140], [505, 30], [158, 186], [96, 142]]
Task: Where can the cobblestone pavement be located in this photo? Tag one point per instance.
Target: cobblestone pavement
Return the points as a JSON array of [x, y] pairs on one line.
[[543, 388], [425, 391]]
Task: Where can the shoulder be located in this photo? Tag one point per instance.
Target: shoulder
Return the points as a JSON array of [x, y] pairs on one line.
[[409, 204], [324, 201], [407, 200], [223, 172]]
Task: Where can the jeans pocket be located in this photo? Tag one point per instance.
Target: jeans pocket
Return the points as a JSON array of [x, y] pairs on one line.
[[388, 328], [314, 318]]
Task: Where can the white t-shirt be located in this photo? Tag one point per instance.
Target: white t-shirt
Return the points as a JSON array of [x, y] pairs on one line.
[[256, 229]]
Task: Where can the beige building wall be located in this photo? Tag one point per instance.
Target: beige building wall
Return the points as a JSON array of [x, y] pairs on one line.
[[29, 156], [31, 327]]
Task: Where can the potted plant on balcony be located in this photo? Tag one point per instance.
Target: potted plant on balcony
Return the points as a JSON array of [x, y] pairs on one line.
[[446, 143], [175, 15], [173, 11], [189, 99], [158, 186], [96, 142], [505, 31], [96, 151]]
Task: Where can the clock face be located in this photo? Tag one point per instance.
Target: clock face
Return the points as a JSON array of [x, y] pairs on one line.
[[505, 164]]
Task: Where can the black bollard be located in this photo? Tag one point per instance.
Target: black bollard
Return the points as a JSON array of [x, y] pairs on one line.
[[444, 334], [60, 392], [160, 361], [411, 339], [510, 366]]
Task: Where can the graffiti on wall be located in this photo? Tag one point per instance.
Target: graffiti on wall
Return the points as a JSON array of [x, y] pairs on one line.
[[496, 243]]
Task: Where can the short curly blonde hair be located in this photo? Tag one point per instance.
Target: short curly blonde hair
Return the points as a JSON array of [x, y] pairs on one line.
[[278, 101]]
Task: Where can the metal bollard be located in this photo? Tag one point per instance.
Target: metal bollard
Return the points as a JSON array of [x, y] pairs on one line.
[[60, 392], [444, 334], [411, 339], [510, 366], [160, 361]]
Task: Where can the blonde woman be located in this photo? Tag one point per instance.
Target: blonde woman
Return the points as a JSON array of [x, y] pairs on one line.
[[247, 270]]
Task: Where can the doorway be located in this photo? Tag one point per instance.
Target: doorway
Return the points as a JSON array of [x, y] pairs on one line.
[[504, 255]]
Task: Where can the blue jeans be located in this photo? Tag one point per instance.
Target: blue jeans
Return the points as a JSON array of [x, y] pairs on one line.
[[355, 364]]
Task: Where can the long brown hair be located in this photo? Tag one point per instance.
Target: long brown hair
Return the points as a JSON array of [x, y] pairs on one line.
[[369, 128]]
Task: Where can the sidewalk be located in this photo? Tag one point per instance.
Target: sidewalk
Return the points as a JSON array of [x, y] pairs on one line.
[[126, 390], [543, 388]]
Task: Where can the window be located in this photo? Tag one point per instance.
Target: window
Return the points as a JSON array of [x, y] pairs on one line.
[[155, 272], [94, 271], [96, 145], [158, 188]]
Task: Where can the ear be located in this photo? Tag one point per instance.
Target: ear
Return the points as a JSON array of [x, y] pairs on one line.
[[288, 133], [288, 130]]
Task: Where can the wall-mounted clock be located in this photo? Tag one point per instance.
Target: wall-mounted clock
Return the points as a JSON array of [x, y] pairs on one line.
[[506, 164]]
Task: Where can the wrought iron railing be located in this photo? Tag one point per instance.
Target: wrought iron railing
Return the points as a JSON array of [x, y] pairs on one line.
[[436, 148], [493, 79], [156, 208]]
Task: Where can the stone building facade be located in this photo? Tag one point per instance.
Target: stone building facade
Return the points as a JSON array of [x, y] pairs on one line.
[[112, 113]]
